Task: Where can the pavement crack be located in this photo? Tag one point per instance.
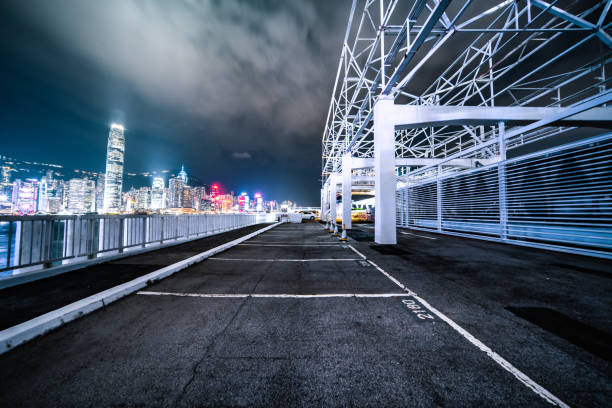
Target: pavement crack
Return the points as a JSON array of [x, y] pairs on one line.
[[195, 367]]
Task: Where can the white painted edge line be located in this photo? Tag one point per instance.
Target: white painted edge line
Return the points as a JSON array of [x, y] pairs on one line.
[[416, 235], [274, 295], [506, 365], [357, 252], [283, 260], [23, 332]]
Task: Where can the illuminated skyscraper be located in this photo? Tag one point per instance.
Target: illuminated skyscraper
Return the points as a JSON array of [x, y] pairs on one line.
[[5, 175], [114, 169], [199, 198], [187, 197], [81, 196], [175, 187], [100, 192], [258, 202], [183, 175], [50, 193], [142, 198], [157, 194], [25, 196]]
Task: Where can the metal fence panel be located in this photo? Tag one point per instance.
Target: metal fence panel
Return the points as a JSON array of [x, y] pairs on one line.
[[29, 242], [559, 198]]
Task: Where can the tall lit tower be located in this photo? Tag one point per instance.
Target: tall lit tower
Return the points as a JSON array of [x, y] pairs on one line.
[[183, 175], [114, 169], [157, 194]]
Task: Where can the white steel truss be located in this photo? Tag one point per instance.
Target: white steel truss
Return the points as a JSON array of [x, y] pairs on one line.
[[513, 53], [463, 84]]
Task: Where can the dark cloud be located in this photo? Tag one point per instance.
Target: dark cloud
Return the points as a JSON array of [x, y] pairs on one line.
[[195, 78]]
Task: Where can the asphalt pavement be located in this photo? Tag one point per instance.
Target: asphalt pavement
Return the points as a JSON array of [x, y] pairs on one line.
[[294, 317]]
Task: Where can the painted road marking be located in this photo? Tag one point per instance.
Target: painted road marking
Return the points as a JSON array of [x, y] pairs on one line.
[[307, 243], [275, 295], [398, 283], [522, 377], [417, 310], [357, 252], [284, 260], [291, 245], [505, 364], [416, 235]]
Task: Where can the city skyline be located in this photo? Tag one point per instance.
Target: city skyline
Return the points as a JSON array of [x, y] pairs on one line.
[[148, 175], [104, 193], [62, 98]]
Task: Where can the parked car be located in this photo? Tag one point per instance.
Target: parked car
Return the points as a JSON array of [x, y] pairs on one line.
[[359, 215], [309, 215]]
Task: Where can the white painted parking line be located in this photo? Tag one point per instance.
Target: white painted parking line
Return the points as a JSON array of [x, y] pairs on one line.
[[398, 283], [26, 331], [506, 365], [284, 260], [357, 252], [328, 242], [293, 245], [275, 295], [416, 235]]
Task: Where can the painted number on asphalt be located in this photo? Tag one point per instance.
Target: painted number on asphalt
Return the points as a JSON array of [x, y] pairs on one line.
[[418, 310]]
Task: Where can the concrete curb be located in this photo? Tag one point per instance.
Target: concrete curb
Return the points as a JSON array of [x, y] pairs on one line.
[[26, 331]]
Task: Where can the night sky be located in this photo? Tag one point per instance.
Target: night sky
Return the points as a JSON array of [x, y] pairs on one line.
[[238, 91]]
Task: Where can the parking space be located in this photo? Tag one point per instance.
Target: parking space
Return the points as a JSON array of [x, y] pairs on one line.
[[290, 317]]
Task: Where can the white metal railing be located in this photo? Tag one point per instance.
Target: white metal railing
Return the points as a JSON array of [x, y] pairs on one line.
[[558, 198], [36, 242]]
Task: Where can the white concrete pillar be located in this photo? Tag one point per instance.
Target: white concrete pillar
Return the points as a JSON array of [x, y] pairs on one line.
[[384, 168], [324, 216], [322, 204], [333, 188], [347, 190]]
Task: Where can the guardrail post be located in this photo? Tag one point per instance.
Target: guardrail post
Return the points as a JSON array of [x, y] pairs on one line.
[[188, 225], [48, 244], [9, 245], [120, 240], [144, 230], [161, 235], [90, 239], [176, 227]]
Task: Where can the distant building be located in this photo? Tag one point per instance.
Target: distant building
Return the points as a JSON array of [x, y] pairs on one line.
[[187, 197], [81, 196], [226, 202], [100, 182], [50, 194], [142, 199], [5, 175], [175, 190], [200, 199], [157, 194], [114, 169], [259, 202], [25, 196]]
